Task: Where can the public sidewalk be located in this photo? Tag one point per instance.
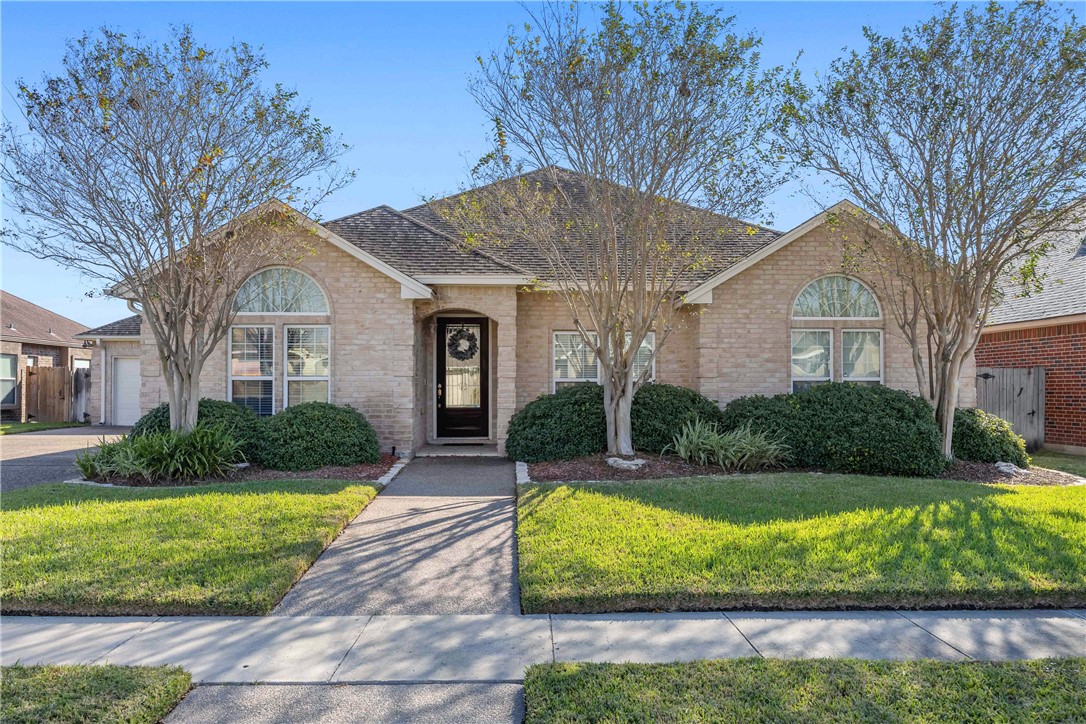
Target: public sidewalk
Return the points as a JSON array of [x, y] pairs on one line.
[[497, 648]]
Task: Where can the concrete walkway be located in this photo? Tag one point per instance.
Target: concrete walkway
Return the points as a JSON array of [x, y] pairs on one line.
[[438, 540], [496, 649]]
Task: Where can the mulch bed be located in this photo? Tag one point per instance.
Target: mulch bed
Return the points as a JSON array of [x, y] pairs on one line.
[[595, 467], [368, 472]]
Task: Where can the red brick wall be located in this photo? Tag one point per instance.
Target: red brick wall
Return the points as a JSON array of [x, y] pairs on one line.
[[1061, 350]]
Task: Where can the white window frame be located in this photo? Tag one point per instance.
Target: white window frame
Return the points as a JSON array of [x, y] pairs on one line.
[[599, 372], [288, 378], [882, 364], [14, 381], [865, 285], [327, 305], [248, 378], [791, 367]]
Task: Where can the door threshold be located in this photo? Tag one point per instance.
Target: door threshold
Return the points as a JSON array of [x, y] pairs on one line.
[[458, 449]]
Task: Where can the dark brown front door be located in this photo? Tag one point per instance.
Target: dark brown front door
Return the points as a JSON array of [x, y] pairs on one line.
[[462, 394]]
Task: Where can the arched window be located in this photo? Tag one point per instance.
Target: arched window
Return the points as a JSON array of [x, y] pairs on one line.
[[280, 290], [835, 297], [826, 343]]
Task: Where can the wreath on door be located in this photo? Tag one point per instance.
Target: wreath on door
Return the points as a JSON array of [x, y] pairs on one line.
[[463, 344]]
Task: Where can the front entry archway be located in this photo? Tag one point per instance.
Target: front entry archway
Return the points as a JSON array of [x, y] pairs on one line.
[[462, 384]]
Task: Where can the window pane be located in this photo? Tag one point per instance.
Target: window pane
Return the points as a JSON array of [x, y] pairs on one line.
[[7, 392], [254, 394], [573, 360], [860, 355], [299, 391], [281, 290], [307, 351], [8, 365], [251, 351], [810, 354], [644, 352], [835, 296], [801, 385]]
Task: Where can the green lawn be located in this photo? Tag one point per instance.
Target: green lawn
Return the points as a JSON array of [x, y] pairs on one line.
[[40, 694], [795, 540], [231, 549], [14, 428], [772, 690], [1074, 464]]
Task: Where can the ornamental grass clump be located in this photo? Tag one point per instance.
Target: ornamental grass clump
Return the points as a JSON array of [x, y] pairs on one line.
[[163, 457], [701, 443]]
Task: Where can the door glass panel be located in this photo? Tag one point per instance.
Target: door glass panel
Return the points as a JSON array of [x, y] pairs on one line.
[[463, 371]]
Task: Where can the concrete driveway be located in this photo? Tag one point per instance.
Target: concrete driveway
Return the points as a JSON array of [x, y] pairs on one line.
[[32, 458]]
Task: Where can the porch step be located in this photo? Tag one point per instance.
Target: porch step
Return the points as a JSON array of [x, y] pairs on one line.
[[470, 450]]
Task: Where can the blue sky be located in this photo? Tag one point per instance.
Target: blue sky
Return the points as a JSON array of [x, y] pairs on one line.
[[390, 77]]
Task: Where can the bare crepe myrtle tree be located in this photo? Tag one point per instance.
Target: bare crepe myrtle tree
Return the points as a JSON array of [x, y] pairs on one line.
[[168, 174], [964, 141], [644, 125]]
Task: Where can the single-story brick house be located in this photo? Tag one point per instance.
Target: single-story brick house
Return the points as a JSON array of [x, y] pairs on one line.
[[368, 321], [1048, 329], [33, 336]]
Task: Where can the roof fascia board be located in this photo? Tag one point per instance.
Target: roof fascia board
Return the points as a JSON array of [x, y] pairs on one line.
[[702, 294], [475, 279], [42, 342], [1034, 323]]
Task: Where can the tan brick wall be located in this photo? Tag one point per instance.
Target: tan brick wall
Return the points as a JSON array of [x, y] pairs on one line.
[[540, 315], [372, 340], [745, 334]]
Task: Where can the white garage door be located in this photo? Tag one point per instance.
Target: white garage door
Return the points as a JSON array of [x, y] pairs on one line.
[[126, 391]]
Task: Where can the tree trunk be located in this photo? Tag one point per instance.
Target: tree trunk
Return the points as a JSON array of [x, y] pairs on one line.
[[183, 387], [617, 406], [947, 404]]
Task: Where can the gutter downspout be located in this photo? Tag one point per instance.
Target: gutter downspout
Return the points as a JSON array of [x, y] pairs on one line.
[[102, 383]]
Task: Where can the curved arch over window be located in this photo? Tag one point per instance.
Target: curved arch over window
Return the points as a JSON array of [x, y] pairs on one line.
[[836, 297], [281, 290]]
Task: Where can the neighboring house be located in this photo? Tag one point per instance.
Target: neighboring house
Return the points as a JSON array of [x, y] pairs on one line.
[[440, 344], [32, 336], [1048, 329]]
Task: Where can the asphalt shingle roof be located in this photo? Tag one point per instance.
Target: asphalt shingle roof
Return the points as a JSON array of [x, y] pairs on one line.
[[1064, 292], [411, 246], [127, 327], [735, 239], [25, 321]]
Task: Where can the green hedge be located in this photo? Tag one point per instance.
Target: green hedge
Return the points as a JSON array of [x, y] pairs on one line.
[[848, 428], [568, 424], [241, 422], [660, 412], [315, 434], [571, 423], [984, 438]]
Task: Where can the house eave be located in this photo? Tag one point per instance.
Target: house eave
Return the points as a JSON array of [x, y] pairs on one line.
[[475, 280]]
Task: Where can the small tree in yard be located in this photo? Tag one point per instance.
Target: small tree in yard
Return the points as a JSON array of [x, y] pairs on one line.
[[157, 170], [644, 128], [964, 139]]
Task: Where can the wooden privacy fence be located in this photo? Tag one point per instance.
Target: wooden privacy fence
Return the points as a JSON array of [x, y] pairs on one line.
[[1018, 396], [56, 394]]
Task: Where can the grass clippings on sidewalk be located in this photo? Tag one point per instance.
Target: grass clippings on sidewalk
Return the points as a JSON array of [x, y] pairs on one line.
[[56, 694], [768, 690], [212, 549], [14, 428], [788, 541]]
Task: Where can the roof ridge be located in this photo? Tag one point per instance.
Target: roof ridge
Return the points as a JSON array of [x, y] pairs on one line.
[[457, 242]]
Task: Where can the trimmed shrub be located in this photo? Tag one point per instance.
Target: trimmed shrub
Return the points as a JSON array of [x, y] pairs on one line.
[[984, 438], [241, 422], [315, 434], [848, 428], [660, 412], [568, 424], [164, 457]]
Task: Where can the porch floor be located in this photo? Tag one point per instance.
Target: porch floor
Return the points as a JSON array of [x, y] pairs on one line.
[[471, 450]]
